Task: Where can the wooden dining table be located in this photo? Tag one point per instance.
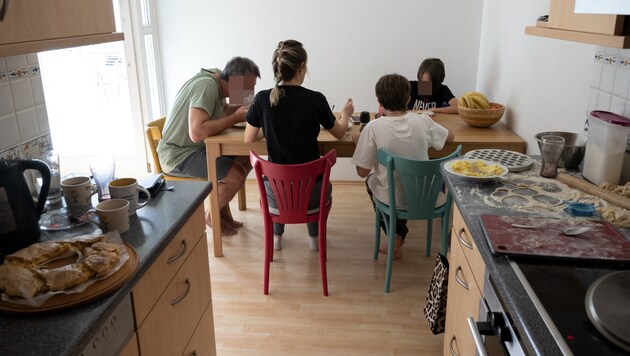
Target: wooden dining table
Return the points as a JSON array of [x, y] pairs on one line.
[[230, 142]]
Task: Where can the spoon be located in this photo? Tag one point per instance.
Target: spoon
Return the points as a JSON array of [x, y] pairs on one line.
[[569, 231]]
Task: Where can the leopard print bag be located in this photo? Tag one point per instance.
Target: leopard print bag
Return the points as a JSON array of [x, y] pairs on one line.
[[435, 307]]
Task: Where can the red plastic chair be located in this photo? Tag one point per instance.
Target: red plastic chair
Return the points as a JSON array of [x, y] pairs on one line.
[[292, 186]]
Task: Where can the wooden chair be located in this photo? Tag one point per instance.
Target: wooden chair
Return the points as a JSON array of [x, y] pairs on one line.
[[292, 186], [422, 184], [154, 135]]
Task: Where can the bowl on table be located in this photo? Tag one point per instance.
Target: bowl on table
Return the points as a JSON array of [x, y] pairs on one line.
[[482, 117], [574, 147]]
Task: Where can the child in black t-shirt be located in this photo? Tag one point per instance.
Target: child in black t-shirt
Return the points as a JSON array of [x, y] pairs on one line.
[[428, 92]]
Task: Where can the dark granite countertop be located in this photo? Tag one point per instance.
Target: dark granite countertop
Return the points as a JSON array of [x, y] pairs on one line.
[[67, 332], [470, 198]]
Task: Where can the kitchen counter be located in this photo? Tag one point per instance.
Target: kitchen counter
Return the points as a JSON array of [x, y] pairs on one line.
[[469, 198], [68, 332]]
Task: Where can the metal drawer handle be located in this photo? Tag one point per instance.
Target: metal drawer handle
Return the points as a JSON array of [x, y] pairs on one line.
[[182, 251], [451, 346], [465, 243], [3, 10], [180, 298], [481, 350], [459, 280]]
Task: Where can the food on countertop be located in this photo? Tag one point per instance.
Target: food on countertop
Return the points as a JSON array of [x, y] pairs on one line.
[[623, 190], [476, 168], [29, 272]]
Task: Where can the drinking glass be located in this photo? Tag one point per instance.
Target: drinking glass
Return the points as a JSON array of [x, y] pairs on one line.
[[550, 150], [103, 168]]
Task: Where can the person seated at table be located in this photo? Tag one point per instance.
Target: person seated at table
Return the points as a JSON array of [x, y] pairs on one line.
[[200, 110], [290, 116], [428, 92], [400, 132]]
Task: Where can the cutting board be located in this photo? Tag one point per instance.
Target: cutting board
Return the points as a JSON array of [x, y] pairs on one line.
[[96, 290], [602, 242]]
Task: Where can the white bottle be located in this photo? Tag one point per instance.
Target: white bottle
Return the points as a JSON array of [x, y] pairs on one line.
[[605, 147]]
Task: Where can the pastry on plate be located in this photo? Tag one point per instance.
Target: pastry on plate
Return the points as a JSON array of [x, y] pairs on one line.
[[18, 281], [37, 253], [64, 277]]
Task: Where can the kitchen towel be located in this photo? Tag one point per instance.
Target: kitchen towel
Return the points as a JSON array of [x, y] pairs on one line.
[[435, 306]]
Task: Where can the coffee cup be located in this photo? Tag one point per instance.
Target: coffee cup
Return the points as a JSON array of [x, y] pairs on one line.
[[113, 214], [77, 192], [128, 188]]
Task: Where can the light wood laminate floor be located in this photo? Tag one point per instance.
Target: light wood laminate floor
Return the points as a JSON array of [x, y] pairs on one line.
[[358, 318]]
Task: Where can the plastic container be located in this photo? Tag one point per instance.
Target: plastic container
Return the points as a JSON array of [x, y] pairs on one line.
[[606, 146]]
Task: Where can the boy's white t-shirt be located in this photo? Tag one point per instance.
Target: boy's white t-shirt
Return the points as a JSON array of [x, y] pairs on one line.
[[410, 136]]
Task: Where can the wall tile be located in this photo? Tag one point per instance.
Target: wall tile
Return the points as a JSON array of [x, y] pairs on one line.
[[42, 119], [16, 62], [22, 93], [27, 124], [11, 153], [38, 89], [9, 133], [32, 59], [625, 52], [608, 77], [6, 100], [597, 74], [3, 65], [612, 51], [617, 105], [592, 100], [622, 82], [603, 101]]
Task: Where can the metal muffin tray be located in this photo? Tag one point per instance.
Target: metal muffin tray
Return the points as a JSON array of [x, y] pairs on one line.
[[514, 161]]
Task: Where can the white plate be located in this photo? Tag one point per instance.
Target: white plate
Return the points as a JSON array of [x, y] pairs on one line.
[[448, 167]]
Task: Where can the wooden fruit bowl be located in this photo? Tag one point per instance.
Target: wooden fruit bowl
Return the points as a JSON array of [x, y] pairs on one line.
[[482, 117]]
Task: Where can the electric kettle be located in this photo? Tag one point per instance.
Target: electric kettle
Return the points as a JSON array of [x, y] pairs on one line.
[[19, 216]]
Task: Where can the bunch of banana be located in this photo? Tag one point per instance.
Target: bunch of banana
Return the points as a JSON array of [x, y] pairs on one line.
[[474, 100]]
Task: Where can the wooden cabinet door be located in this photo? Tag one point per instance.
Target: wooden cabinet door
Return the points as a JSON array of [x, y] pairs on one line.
[[202, 342], [150, 287], [171, 323], [36, 20], [463, 302], [463, 237]]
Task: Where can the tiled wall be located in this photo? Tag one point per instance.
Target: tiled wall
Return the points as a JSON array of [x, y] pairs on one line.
[[610, 86], [24, 129]]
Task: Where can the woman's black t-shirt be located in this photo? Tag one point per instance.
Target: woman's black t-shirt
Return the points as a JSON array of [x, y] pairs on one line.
[[291, 127]]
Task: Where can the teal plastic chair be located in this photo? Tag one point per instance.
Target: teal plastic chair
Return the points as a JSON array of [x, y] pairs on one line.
[[422, 183]]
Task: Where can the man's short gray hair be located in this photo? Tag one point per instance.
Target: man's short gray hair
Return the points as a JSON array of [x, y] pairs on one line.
[[239, 66]]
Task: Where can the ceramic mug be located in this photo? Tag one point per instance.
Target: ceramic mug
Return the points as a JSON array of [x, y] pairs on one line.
[[77, 192], [128, 188], [113, 214]]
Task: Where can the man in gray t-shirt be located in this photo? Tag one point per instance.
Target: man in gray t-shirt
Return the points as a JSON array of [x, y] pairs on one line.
[[200, 110]]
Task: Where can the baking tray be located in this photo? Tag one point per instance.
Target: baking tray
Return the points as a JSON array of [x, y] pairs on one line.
[[514, 161]]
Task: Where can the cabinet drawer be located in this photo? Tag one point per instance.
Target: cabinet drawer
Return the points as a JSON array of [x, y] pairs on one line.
[[202, 342], [467, 243], [36, 20], [170, 324], [152, 284], [463, 302]]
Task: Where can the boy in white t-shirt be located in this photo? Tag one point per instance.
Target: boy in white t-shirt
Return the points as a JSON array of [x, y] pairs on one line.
[[400, 132]]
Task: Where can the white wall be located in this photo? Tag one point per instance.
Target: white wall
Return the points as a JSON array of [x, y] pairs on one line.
[[543, 82], [350, 43]]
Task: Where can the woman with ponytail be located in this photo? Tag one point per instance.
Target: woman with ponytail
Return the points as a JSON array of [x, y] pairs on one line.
[[290, 117]]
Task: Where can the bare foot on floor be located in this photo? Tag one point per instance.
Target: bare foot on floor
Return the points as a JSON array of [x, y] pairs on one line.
[[227, 219], [398, 244], [227, 228]]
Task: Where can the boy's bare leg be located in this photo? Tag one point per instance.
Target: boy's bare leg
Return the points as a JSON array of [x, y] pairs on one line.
[[228, 188], [398, 244]]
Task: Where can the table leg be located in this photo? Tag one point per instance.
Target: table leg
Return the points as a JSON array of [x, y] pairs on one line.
[[242, 199], [213, 150]]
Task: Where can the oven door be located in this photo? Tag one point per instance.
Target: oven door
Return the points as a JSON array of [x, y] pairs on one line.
[[493, 334]]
